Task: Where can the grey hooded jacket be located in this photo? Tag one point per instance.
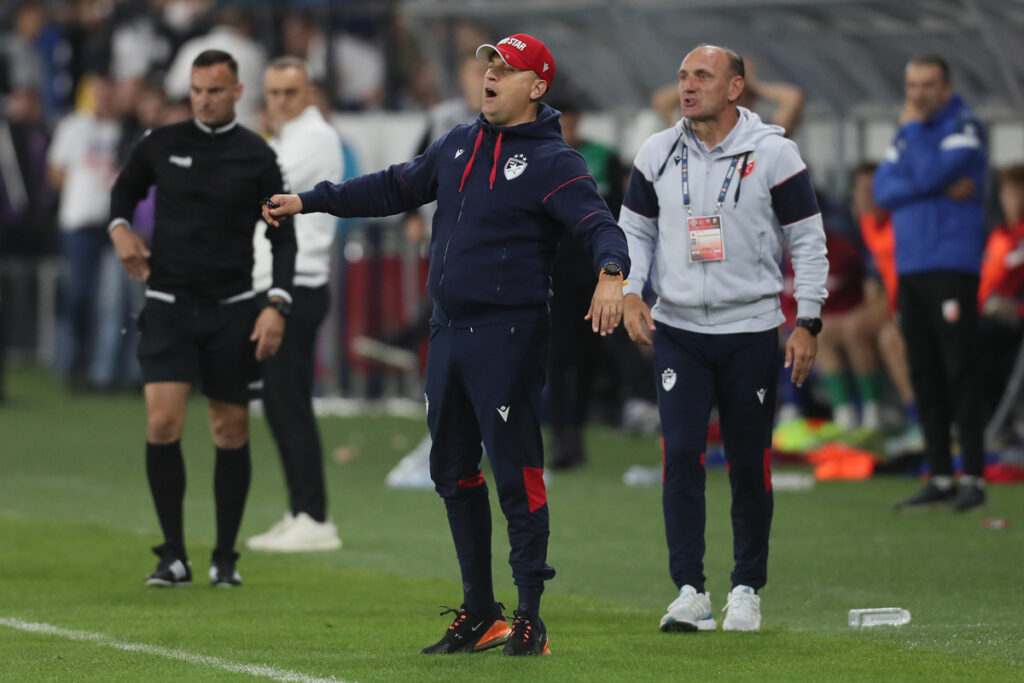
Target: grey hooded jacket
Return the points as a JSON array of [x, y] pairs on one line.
[[770, 204]]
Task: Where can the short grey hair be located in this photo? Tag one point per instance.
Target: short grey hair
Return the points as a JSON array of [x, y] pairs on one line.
[[289, 62]]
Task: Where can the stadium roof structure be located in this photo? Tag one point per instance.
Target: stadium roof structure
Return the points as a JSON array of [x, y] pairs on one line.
[[847, 55]]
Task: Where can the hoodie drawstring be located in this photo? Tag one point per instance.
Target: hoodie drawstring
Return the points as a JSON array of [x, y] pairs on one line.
[[476, 146], [469, 164], [497, 151]]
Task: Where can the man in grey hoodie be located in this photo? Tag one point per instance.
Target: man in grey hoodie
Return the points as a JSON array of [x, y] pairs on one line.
[[711, 203]]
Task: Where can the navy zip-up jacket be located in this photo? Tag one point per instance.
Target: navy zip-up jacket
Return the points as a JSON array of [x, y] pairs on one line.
[[934, 232], [504, 195]]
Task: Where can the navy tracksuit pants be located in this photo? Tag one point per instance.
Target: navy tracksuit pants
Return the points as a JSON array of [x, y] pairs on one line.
[[740, 373], [484, 384]]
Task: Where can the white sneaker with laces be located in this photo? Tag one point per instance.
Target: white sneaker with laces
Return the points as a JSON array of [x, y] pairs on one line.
[[743, 610], [259, 542], [303, 534], [691, 611]]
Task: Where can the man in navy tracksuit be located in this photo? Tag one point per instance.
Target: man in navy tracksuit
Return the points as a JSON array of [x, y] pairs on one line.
[[506, 186], [932, 180]]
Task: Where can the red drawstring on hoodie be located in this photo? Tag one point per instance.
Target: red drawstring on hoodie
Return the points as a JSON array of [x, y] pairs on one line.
[[469, 164], [494, 166]]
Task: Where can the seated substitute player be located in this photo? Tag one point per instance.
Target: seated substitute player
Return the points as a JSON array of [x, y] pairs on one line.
[[201, 320], [506, 187]]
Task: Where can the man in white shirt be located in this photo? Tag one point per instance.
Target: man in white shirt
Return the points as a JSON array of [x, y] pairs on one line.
[[309, 150], [82, 165]]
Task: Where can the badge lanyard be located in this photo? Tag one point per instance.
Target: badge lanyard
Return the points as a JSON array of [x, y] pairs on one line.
[[725, 183], [705, 232]]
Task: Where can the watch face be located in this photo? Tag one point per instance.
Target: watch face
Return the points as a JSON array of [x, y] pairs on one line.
[[611, 269]]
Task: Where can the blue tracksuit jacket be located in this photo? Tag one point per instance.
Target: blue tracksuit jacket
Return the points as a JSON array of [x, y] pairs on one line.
[[504, 195], [934, 232]]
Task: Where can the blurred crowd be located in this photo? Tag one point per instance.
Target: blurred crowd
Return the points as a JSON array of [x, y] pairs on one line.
[[80, 80]]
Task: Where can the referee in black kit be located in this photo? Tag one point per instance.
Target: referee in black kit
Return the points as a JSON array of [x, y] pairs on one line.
[[201, 320]]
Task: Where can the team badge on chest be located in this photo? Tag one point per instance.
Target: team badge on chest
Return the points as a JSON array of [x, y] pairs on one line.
[[515, 166]]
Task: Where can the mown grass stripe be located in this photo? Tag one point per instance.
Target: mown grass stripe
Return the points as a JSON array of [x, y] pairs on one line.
[[259, 670]]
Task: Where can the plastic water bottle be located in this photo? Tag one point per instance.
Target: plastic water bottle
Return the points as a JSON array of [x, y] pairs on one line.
[[879, 616]]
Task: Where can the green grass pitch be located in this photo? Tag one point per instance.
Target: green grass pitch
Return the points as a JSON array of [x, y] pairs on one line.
[[76, 524]]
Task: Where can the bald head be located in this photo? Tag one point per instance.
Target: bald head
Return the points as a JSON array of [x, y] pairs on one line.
[[735, 61], [710, 82]]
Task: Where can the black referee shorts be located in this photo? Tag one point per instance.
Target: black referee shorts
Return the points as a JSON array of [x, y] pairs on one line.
[[209, 343]]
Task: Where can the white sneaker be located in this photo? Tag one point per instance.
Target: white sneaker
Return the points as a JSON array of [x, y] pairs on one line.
[[691, 611], [743, 610], [303, 534], [259, 542], [413, 470]]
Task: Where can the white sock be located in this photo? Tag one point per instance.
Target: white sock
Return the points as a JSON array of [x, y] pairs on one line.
[[845, 417], [871, 417]]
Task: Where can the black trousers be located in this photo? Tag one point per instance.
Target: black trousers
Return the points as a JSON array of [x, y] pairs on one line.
[[287, 402], [939, 318], [484, 384], [740, 373]]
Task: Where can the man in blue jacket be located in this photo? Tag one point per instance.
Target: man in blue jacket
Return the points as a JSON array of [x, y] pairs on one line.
[[932, 180], [506, 186]]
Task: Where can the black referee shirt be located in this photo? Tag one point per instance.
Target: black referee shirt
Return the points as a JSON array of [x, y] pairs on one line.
[[208, 187]]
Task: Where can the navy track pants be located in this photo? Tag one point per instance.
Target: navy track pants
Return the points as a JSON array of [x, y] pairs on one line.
[[740, 372], [484, 383]]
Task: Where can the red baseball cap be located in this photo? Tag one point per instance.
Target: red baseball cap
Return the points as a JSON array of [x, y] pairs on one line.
[[522, 51]]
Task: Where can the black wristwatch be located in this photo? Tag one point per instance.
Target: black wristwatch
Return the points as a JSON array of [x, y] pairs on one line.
[[812, 325], [611, 268], [280, 305]]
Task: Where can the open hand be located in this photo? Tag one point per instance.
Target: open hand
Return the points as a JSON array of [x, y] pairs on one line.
[[132, 252], [606, 305], [637, 319]]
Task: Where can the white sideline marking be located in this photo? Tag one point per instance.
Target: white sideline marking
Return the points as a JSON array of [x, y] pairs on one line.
[[202, 660]]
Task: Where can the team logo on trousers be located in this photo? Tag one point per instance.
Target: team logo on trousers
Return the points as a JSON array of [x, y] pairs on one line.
[[515, 166], [668, 379]]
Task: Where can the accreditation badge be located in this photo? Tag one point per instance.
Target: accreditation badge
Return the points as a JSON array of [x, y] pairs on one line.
[[706, 238]]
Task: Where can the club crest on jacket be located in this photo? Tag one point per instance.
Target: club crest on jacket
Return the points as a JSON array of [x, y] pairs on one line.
[[515, 166]]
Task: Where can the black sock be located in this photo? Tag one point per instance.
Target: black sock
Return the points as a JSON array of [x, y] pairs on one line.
[[469, 516], [231, 476], [529, 602], [165, 469]]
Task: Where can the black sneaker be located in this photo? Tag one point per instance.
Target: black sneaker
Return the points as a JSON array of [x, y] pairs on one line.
[[968, 497], [470, 633], [929, 495], [223, 572], [528, 637], [174, 569]]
